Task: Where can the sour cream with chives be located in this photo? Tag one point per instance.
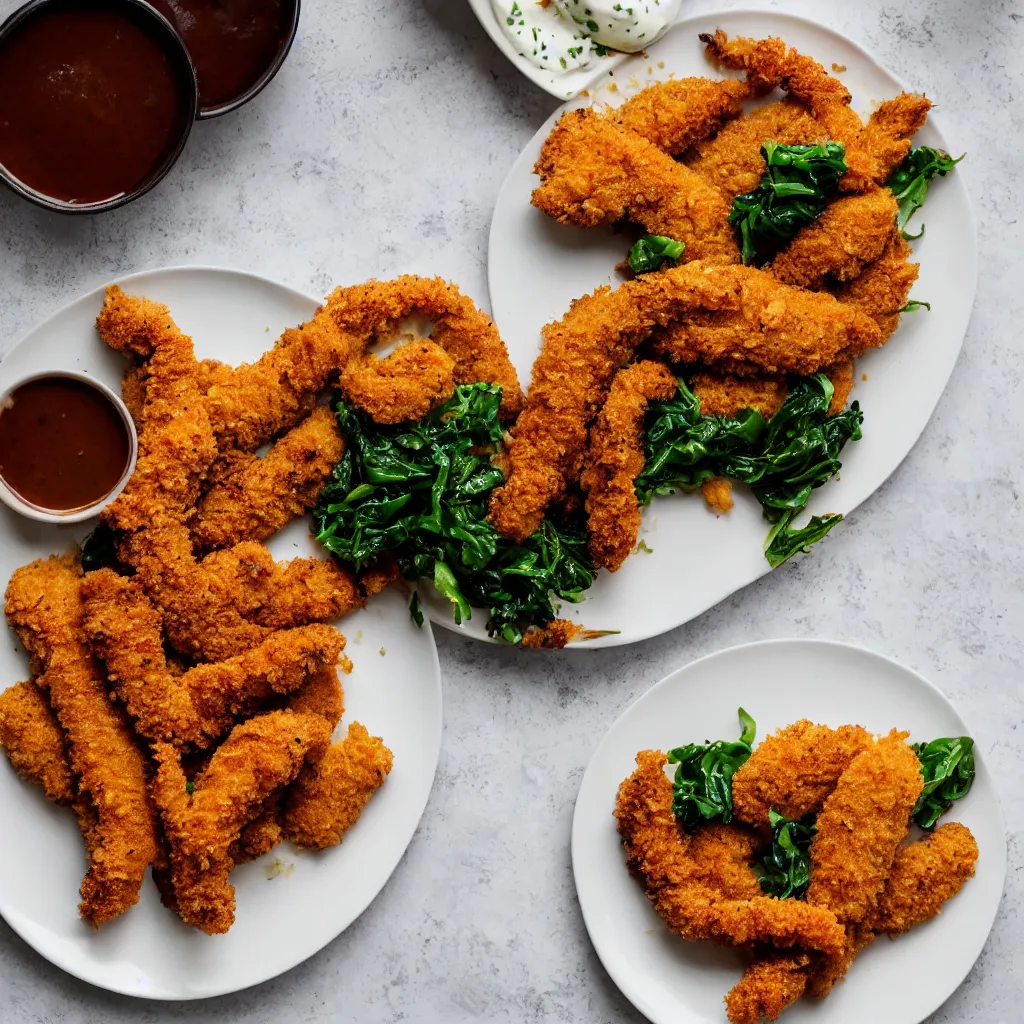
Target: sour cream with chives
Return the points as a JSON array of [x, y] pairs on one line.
[[565, 35]]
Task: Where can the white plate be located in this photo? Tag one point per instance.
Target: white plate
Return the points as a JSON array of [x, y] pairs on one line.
[[537, 266], [394, 690], [564, 87], [677, 982]]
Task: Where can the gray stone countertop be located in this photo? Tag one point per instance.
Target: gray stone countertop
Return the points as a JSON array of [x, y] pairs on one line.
[[380, 149]]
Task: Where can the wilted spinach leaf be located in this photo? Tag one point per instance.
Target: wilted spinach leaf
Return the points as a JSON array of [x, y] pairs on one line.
[[785, 870], [948, 768], [909, 182], [652, 251]]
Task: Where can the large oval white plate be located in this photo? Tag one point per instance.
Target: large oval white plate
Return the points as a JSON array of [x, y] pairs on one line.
[[394, 690], [565, 86], [673, 981], [537, 266]]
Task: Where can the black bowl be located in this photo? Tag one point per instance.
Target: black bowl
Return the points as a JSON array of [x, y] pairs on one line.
[[205, 113], [189, 85]]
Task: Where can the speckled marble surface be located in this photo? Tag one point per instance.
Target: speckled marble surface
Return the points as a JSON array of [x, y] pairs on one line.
[[380, 149]]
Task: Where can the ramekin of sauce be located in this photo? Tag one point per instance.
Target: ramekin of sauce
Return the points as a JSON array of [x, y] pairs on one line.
[[67, 446], [237, 46], [97, 98]]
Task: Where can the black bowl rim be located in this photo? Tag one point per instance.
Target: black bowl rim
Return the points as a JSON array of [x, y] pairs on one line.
[[181, 53], [208, 113]]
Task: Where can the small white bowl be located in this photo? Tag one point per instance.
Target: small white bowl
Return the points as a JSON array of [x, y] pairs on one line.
[[48, 515]]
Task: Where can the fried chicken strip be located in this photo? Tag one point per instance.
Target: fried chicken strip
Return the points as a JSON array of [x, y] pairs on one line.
[[729, 316], [770, 984], [594, 172], [264, 494], [327, 798], [674, 115], [200, 705], [883, 289], [851, 233], [794, 770], [872, 151], [682, 889], [721, 394], [732, 162], [615, 459], [404, 385], [256, 760], [44, 607], [35, 742]]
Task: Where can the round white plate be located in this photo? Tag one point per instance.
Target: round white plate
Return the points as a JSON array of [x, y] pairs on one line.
[[564, 86], [394, 690], [536, 267], [673, 981]]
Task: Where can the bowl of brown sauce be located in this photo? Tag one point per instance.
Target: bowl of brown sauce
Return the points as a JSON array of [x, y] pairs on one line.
[[97, 98], [237, 46], [67, 446]]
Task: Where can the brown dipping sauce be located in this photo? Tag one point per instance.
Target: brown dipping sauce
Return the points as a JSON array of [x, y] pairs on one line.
[[92, 100], [231, 42], [63, 444]]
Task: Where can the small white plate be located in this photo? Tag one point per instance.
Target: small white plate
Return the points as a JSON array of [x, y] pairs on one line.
[[565, 86], [394, 690], [778, 682], [536, 267]]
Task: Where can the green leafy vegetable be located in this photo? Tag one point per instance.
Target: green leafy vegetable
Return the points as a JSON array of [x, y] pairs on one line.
[[420, 491], [651, 251], [782, 459], [99, 550], [785, 870], [702, 790], [190, 788], [415, 613], [795, 189], [909, 182], [948, 768], [914, 305]]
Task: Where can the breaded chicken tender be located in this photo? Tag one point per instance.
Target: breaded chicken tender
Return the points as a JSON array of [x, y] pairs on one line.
[[594, 172], [840, 376], [376, 309], [794, 770], [330, 793], [769, 985], [35, 742], [729, 316], [262, 495], [404, 385], [44, 607], [256, 760], [615, 458], [851, 233], [732, 160], [872, 151], [674, 115], [200, 705], [321, 694], [683, 890], [883, 289], [925, 874], [260, 836], [726, 395]]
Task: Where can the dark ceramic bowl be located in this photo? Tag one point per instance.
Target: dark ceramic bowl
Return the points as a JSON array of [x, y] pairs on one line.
[[186, 75], [205, 113]]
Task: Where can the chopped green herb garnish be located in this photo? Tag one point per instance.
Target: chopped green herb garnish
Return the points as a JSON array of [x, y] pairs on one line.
[[913, 305]]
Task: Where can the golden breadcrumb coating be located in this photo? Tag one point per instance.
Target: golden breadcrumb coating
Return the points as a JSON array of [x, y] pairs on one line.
[[404, 385], [768, 986], [673, 115], [615, 458], [717, 494], [924, 875], [321, 694], [260, 836], [256, 760], [594, 172], [851, 233], [724, 395], [883, 289], [794, 770], [732, 160], [840, 376], [44, 607], [262, 495], [330, 793], [35, 742], [685, 891]]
